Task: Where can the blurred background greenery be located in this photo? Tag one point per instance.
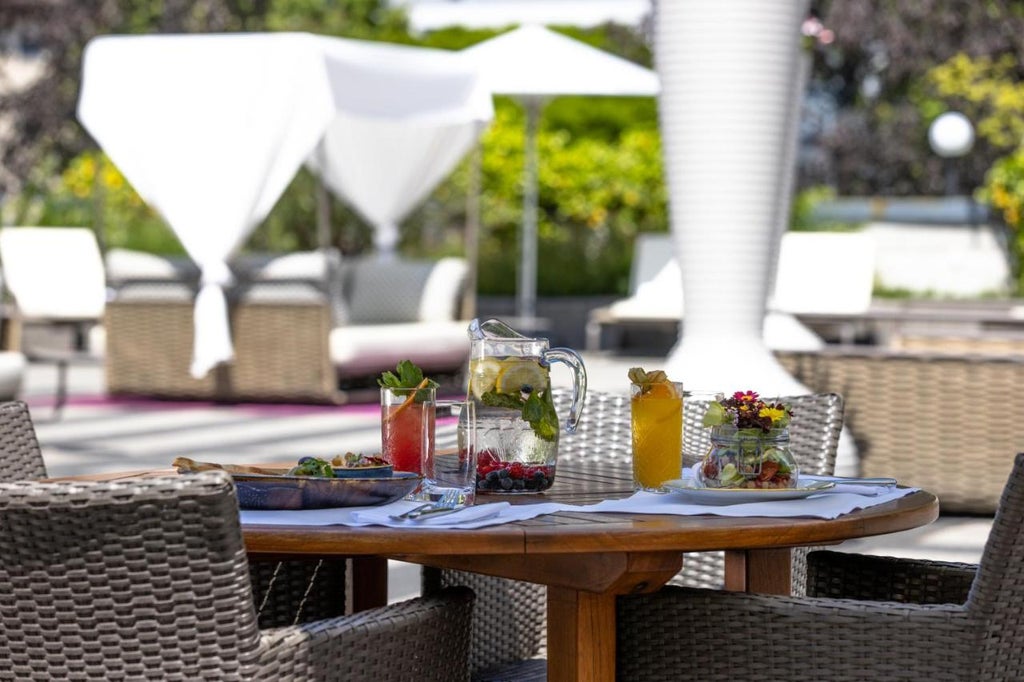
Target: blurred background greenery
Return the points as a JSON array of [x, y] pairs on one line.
[[888, 70]]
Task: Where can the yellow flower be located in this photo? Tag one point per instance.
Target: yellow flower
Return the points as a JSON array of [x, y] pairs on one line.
[[773, 413]]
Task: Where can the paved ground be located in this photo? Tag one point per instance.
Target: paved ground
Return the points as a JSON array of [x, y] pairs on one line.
[[96, 435]]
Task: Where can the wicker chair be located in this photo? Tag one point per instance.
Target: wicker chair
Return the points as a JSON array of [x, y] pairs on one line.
[[286, 591], [20, 456], [511, 647], [147, 579], [867, 618]]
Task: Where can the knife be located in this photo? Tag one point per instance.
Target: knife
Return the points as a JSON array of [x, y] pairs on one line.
[[881, 481]]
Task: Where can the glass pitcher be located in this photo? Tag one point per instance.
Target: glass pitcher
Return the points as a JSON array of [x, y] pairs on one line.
[[517, 427]]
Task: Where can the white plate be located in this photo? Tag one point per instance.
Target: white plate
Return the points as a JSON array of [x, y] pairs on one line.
[[688, 488]]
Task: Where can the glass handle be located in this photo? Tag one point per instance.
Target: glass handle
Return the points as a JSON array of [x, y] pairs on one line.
[[579, 382]]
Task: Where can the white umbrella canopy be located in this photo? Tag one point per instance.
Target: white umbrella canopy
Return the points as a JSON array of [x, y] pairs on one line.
[[533, 63], [211, 128]]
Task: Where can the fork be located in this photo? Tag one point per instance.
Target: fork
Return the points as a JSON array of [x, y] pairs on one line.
[[449, 502]]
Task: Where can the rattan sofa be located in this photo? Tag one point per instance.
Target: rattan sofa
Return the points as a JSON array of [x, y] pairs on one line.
[[302, 325], [946, 422]]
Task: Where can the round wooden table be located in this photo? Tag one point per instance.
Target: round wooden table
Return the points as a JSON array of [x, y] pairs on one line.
[[585, 559]]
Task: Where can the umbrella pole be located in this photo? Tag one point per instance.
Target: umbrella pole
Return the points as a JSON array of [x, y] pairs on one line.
[[473, 228], [526, 305]]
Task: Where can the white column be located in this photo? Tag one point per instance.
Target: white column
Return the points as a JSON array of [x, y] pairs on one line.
[[727, 72]]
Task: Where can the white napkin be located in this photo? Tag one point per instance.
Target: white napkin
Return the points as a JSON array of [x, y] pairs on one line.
[[476, 516], [828, 505]]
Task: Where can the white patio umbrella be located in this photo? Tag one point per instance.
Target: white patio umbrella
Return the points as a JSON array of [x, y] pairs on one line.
[[211, 128], [535, 64]]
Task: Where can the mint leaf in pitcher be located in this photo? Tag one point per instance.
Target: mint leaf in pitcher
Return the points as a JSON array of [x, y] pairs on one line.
[[540, 413], [504, 400]]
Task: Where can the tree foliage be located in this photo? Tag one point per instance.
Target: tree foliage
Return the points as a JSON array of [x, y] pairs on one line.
[[875, 70], [599, 158]]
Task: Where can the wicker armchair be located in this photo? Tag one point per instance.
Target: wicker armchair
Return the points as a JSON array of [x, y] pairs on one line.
[[20, 456], [286, 591], [867, 618], [507, 647], [148, 579]]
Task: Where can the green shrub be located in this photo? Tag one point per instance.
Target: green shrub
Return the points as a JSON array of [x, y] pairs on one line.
[[1004, 192], [594, 197], [91, 192]]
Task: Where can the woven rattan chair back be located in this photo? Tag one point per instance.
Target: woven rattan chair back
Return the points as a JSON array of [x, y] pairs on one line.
[[813, 433], [998, 588], [20, 456], [509, 623], [144, 578], [604, 436]]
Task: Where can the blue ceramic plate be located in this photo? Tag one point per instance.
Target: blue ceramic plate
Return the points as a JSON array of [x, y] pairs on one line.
[[260, 491], [382, 471]]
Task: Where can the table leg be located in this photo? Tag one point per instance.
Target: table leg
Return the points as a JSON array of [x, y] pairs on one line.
[[369, 582], [767, 571], [581, 635]]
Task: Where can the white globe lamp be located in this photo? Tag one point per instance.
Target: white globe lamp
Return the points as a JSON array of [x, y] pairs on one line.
[[951, 135]]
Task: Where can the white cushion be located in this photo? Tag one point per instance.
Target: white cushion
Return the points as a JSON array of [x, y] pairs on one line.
[[12, 371], [302, 265], [361, 350], [127, 264], [659, 298], [443, 291], [826, 273], [54, 273]]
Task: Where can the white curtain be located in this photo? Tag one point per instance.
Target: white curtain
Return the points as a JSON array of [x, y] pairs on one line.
[[209, 130], [384, 169], [399, 130]]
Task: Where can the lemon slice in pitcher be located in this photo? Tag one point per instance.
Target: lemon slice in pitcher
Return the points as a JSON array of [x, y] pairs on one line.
[[519, 375], [483, 372]]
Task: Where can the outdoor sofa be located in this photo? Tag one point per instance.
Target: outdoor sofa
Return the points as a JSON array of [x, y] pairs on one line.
[[946, 419], [303, 324]]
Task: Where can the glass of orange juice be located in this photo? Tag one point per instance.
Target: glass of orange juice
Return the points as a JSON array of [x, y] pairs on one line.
[[657, 429]]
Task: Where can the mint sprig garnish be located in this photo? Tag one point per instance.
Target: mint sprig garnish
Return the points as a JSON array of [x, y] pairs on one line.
[[406, 375]]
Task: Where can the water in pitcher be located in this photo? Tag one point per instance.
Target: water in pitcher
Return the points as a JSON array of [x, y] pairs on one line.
[[516, 425]]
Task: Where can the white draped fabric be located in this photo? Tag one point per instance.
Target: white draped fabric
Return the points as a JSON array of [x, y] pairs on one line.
[[384, 169], [210, 129]]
